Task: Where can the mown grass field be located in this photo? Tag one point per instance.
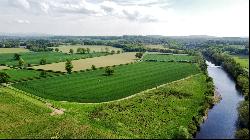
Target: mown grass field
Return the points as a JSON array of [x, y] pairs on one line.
[[83, 64], [167, 57], [242, 60], [154, 114], [3, 67], [93, 86], [13, 50], [23, 74], [156, 47], [95, 48], [35, 57]]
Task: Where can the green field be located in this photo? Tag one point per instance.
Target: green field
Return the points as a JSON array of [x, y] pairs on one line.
[[154, 114], [22, 74], [35, 57], [242, 60], [167, 57], [93, 86], [13, 50]]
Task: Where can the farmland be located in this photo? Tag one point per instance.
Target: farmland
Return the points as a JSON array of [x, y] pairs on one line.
[[167, 57], [22, 74], [131, 118], [3, 67], [155, 47], [13, 50], [95, 48], [93, 86], [35, 57], [83, 64], [242, 60]]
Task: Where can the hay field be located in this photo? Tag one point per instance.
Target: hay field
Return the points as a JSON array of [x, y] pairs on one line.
[[4, 67], [83, 64], [96, 48], [13, 50]]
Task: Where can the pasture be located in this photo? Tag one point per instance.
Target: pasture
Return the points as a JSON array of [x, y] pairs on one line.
[[13, 50], [93, 48], [35, 57], [83, 64], [242, 60], [93, 86], [156, 47], [167, 57]]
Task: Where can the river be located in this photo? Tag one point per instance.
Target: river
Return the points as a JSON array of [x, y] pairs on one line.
[[221, 122]]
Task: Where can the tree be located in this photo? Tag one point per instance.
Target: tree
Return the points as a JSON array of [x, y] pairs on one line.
[[112, 52], [71, 51], [4, 77], [56, 49], [139, 55], [21, 62], [68, 66], [43, 61], [109, 71], [93, 67], [43, 74], [107, 49], [79, 50], [88, 50], [17, 56], [118, 51]]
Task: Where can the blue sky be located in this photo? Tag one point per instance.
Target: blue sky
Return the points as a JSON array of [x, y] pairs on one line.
[[131, 17]]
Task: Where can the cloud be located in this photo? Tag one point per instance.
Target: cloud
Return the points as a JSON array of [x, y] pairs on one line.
[[21, 21]]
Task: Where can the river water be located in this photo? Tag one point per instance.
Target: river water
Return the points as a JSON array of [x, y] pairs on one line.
[[222, 118]]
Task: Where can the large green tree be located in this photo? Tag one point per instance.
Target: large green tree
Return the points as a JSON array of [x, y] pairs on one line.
[[4, 77], [68, 66]]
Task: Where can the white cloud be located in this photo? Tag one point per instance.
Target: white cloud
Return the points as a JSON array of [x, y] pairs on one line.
[[22, 21]]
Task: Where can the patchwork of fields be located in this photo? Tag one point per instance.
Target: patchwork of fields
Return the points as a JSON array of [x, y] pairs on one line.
[[96, 48], [35, 57], [13, 50], [167, 57], [93, 86], [83, 64]]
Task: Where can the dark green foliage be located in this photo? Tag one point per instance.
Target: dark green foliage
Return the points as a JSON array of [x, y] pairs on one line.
[[109, 71], [4, 77], [182, 133], [139, 55], [71, 51], [93, 67], [244, 114], [68, 66], [56, 49], [43, 74], [242, 134], [43, 61], [17, 56]]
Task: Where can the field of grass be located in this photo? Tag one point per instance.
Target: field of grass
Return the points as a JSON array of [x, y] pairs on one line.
[[93, 86], [22, 74], [83, 64], [155, 47], [96, 48], [13, 50], [154, 114], [35, 57], [242, 60], [167, 57]]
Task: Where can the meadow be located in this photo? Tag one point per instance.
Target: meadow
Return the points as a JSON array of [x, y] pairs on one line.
[[35, 57], [167, 57], [23, 74], [3, 67], [83, 64], [93, 86], [156, 47], [242, 60], [13, 50], [136, 117], [93, 48]]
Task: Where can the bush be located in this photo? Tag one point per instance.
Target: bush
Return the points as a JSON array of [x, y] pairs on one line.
[[109, 71], [4, 77], [93, 67], [182, 133], [242, 134]]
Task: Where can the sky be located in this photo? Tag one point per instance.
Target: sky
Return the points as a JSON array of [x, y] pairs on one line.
[[222, 18]]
